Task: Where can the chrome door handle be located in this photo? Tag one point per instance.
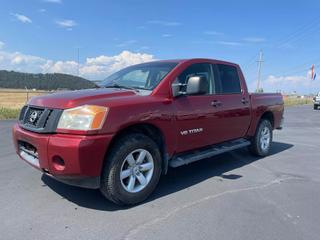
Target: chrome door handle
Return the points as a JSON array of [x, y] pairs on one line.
[[244, 101], [216, 103]]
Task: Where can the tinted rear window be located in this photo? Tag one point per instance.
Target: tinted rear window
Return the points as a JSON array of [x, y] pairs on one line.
[[230, 81]]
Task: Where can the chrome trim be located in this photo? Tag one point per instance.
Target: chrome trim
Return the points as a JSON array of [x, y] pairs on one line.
[[29, 158], [30, 152]]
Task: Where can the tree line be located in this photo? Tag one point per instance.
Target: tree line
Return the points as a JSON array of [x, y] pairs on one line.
[[48, 81]]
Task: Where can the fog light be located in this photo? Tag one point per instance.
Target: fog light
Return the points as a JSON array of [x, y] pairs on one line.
[[58, 163]]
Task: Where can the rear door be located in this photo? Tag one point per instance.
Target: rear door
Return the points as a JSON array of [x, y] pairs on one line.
[[234, 103]]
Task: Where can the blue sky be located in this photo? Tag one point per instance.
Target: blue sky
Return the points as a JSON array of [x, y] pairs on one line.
[[44, 35]]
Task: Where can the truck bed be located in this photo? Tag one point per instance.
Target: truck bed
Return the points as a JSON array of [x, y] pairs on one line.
[[266, 102]]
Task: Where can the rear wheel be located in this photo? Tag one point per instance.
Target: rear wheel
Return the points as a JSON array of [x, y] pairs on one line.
[[315, 107], [132, 170], [261, 142]]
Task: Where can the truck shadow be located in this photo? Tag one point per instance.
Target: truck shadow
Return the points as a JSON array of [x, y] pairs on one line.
[[176, 180]]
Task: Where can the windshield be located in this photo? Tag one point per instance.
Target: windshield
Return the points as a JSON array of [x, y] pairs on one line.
[[143, 76]]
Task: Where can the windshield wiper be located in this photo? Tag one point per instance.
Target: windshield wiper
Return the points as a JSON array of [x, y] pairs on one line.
[[116, 85]]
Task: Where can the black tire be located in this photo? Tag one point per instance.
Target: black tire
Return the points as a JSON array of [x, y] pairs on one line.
[[315, 107], [256, 145], [111, 185]]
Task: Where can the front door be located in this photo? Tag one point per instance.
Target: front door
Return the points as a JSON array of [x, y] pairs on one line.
[[197, 119]]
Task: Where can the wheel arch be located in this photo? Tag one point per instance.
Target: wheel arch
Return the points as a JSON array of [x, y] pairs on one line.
[[268, 115], [149, 130]]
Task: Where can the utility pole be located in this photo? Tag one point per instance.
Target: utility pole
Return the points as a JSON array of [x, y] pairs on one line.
[[260, 61]]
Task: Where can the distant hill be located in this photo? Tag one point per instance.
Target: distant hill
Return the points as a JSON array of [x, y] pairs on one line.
[[48, 81]]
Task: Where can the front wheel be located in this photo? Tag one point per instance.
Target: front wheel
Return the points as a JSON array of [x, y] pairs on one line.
[[261, 142], [132, 170], [315, 107]]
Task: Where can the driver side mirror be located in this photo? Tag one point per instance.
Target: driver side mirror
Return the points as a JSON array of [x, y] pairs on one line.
[[195, 85]]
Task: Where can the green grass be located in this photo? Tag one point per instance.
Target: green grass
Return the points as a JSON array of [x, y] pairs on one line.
[[8, 113], [297, 101]]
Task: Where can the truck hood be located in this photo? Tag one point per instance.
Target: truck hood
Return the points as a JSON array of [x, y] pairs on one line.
[[70, 99]]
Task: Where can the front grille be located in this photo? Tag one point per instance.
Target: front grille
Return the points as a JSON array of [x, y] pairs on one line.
[[33, 115], [37, 119]]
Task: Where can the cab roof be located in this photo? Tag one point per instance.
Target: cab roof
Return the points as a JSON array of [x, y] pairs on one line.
[[194, 60]]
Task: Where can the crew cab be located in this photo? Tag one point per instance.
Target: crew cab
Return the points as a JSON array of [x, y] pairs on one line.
[[121, 137]]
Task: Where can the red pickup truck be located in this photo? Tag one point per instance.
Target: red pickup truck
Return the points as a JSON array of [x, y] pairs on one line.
[[142, 120]]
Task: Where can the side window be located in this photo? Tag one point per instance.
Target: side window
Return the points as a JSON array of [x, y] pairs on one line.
[[155, 77], [229, 79], [198, 69]]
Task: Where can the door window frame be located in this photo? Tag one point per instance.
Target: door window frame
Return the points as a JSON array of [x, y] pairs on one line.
[[219, 80], [212, 80]]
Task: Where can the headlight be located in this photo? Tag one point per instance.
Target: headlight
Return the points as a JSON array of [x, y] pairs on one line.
[[87, 117]]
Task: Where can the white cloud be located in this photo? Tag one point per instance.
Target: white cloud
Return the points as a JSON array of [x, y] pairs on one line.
[[1, 44], [102, 66], [165, 23], [254, 39], [288, 84], [42, 10], [166, 35], [66, 23], [22, 18], [141, 27], [20, 62], [286, 80], [229, 43], [213, 33], [69, 67], [93, 68], [53, 1]]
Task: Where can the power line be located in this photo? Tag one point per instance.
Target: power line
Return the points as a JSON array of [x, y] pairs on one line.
[[298, 32], [302, 68], [304, 35], [250, 62]]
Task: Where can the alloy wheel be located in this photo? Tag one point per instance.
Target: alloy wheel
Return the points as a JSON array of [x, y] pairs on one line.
[[136, 170]]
